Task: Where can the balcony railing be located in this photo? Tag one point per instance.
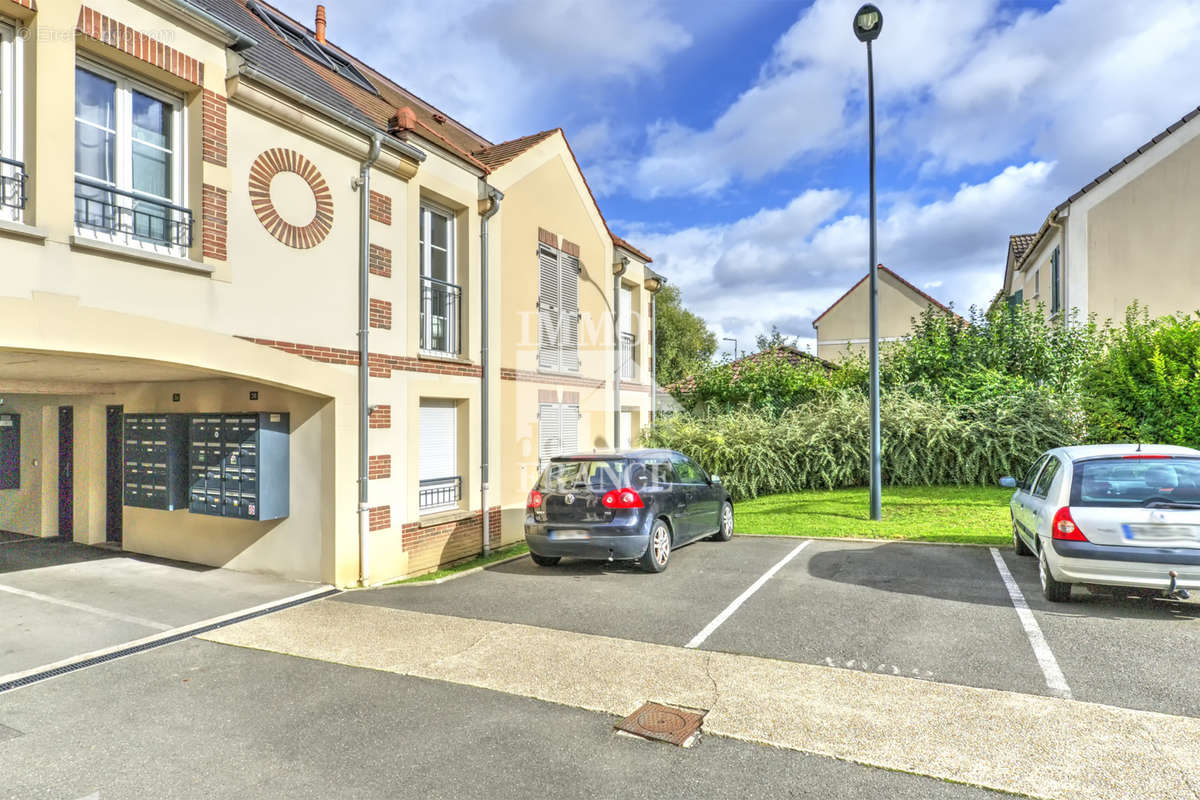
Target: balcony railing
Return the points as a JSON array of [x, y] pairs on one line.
[[628, 364], [141, 217], [441, 316], [12, 184], [439, 493]]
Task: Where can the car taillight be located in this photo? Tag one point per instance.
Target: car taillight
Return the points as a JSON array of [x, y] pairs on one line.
[[1064, 527], [622, 498], [535, 499]]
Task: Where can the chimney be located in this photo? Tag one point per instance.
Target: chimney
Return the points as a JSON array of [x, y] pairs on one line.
[[402, 122], [321, 24]]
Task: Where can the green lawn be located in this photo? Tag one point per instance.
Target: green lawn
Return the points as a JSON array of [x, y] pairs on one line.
[[481, 561], [966, 514]]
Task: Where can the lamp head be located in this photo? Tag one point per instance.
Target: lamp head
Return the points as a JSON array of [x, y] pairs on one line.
[[867, 23]]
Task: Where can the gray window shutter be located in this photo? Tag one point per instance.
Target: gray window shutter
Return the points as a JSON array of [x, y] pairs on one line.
[[549, 431], [569, 427], [549, 309], [569, 294]]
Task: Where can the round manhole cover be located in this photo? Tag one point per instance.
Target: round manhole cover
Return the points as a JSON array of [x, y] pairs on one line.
[[661, 720]]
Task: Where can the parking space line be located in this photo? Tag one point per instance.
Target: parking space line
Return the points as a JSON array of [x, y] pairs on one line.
[[146, 623], [699, 638], [1056, 682]]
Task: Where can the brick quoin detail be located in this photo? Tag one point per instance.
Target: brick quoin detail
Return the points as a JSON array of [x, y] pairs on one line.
[[381, 208], [214, 222], [381, 314], [214, 139], [381, 417], [107, 30], [381, 364], [380, 518], [532, 376], [380, 261], [379, 467]]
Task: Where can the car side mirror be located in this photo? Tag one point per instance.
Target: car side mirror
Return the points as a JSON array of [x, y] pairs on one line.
[[1008, 482], [714, 478]]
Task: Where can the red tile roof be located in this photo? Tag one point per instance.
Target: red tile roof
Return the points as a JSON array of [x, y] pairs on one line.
[[498, 155]]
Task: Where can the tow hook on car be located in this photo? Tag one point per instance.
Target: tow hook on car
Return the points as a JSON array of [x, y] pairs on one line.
[[1173, 592]]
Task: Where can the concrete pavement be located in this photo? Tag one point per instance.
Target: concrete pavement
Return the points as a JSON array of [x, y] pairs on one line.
[[1011, 742]]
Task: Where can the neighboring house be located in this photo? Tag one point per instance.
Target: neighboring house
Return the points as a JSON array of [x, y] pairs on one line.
[[180, 234], [844, 327], [1130, 234]]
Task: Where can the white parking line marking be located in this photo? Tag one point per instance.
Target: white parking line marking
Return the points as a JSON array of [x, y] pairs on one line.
[[1055, 681], [699, 638], [147, 623]]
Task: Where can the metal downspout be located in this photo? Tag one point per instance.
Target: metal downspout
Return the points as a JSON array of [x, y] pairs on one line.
[[495, 195], [363, 185]]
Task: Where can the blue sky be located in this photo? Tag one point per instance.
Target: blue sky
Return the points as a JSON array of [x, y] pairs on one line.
[[728, 139]]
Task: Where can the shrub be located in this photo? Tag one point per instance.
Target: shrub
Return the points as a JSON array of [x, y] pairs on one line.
[[825, 443], [1146, 385]]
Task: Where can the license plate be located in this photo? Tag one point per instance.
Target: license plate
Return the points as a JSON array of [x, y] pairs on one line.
[[569, 535], [1161, 533]]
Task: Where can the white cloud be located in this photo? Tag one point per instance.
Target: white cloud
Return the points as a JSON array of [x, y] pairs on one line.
[[504, 67], [783, 266]]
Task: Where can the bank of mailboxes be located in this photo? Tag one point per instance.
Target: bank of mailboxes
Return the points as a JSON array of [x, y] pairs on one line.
[[156, 461], [10, 451], [239, 465]]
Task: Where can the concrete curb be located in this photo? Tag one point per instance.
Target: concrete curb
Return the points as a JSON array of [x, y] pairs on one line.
[[454, 577]]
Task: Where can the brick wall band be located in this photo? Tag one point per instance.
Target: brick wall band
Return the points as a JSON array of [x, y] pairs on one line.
[[141, 46], [533, 376], [432, 546], [381, 364]]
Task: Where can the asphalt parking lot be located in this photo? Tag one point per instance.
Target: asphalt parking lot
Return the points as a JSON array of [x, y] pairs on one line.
[[934, 612], [61, 601]]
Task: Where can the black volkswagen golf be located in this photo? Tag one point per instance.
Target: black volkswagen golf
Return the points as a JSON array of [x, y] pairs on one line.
[[637, 504]]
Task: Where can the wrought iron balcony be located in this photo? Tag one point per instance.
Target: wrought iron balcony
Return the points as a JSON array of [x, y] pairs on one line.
[[13, 177], [441, 316], [439, 493], [628, 363], [104, 208]]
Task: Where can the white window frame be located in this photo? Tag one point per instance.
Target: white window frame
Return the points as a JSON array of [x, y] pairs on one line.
[[126, 85], [447, 480], [12, 107], [424, 227]]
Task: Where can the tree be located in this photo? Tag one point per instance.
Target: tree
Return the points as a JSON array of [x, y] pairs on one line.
[[775, 340], [683, 343]]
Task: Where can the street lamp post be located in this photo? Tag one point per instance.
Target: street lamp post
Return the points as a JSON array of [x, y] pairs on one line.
[[731, 339], [867, 24]]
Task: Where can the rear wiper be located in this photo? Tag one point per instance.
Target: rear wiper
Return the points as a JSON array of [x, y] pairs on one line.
[[1158, 502]]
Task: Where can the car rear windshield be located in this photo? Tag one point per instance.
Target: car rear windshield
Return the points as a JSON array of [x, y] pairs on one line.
[[592, 474], [1125, 482]]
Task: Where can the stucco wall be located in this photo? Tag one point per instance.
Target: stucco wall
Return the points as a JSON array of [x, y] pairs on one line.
[[850, 318], [1142, 242]]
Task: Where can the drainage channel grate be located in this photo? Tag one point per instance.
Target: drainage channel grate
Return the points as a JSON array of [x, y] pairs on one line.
[[36, 677], [664, 724]]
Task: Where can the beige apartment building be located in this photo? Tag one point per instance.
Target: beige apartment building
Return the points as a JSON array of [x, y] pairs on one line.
[[1129, 235], [844, 328], [185, 230]]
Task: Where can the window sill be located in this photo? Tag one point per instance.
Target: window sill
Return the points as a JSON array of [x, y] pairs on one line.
[[436, 355], [137, 254], [20, 229], [436, 516]]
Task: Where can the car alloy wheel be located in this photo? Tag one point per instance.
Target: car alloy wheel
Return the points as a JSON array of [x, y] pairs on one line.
[[1042, 572], [662, 545], [727, 521]]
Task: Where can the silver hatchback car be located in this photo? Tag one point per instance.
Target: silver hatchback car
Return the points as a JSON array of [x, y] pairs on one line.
[[1118, 515]]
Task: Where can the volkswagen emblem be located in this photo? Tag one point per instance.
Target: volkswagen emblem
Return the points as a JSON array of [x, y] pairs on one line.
[[1158, 516], [569, 499]]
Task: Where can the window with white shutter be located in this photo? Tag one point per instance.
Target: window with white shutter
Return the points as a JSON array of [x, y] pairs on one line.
[[558, 430], [437, 469], [558, 310], [627, 341]]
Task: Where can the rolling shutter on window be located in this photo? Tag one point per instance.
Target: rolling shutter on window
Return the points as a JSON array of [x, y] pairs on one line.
[[438, 446], [569, 295], [549, 309]]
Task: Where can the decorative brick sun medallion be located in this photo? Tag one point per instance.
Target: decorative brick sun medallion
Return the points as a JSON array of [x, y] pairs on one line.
[[266, 167]]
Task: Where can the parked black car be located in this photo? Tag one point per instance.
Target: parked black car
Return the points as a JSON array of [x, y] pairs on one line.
[[637, 504]]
